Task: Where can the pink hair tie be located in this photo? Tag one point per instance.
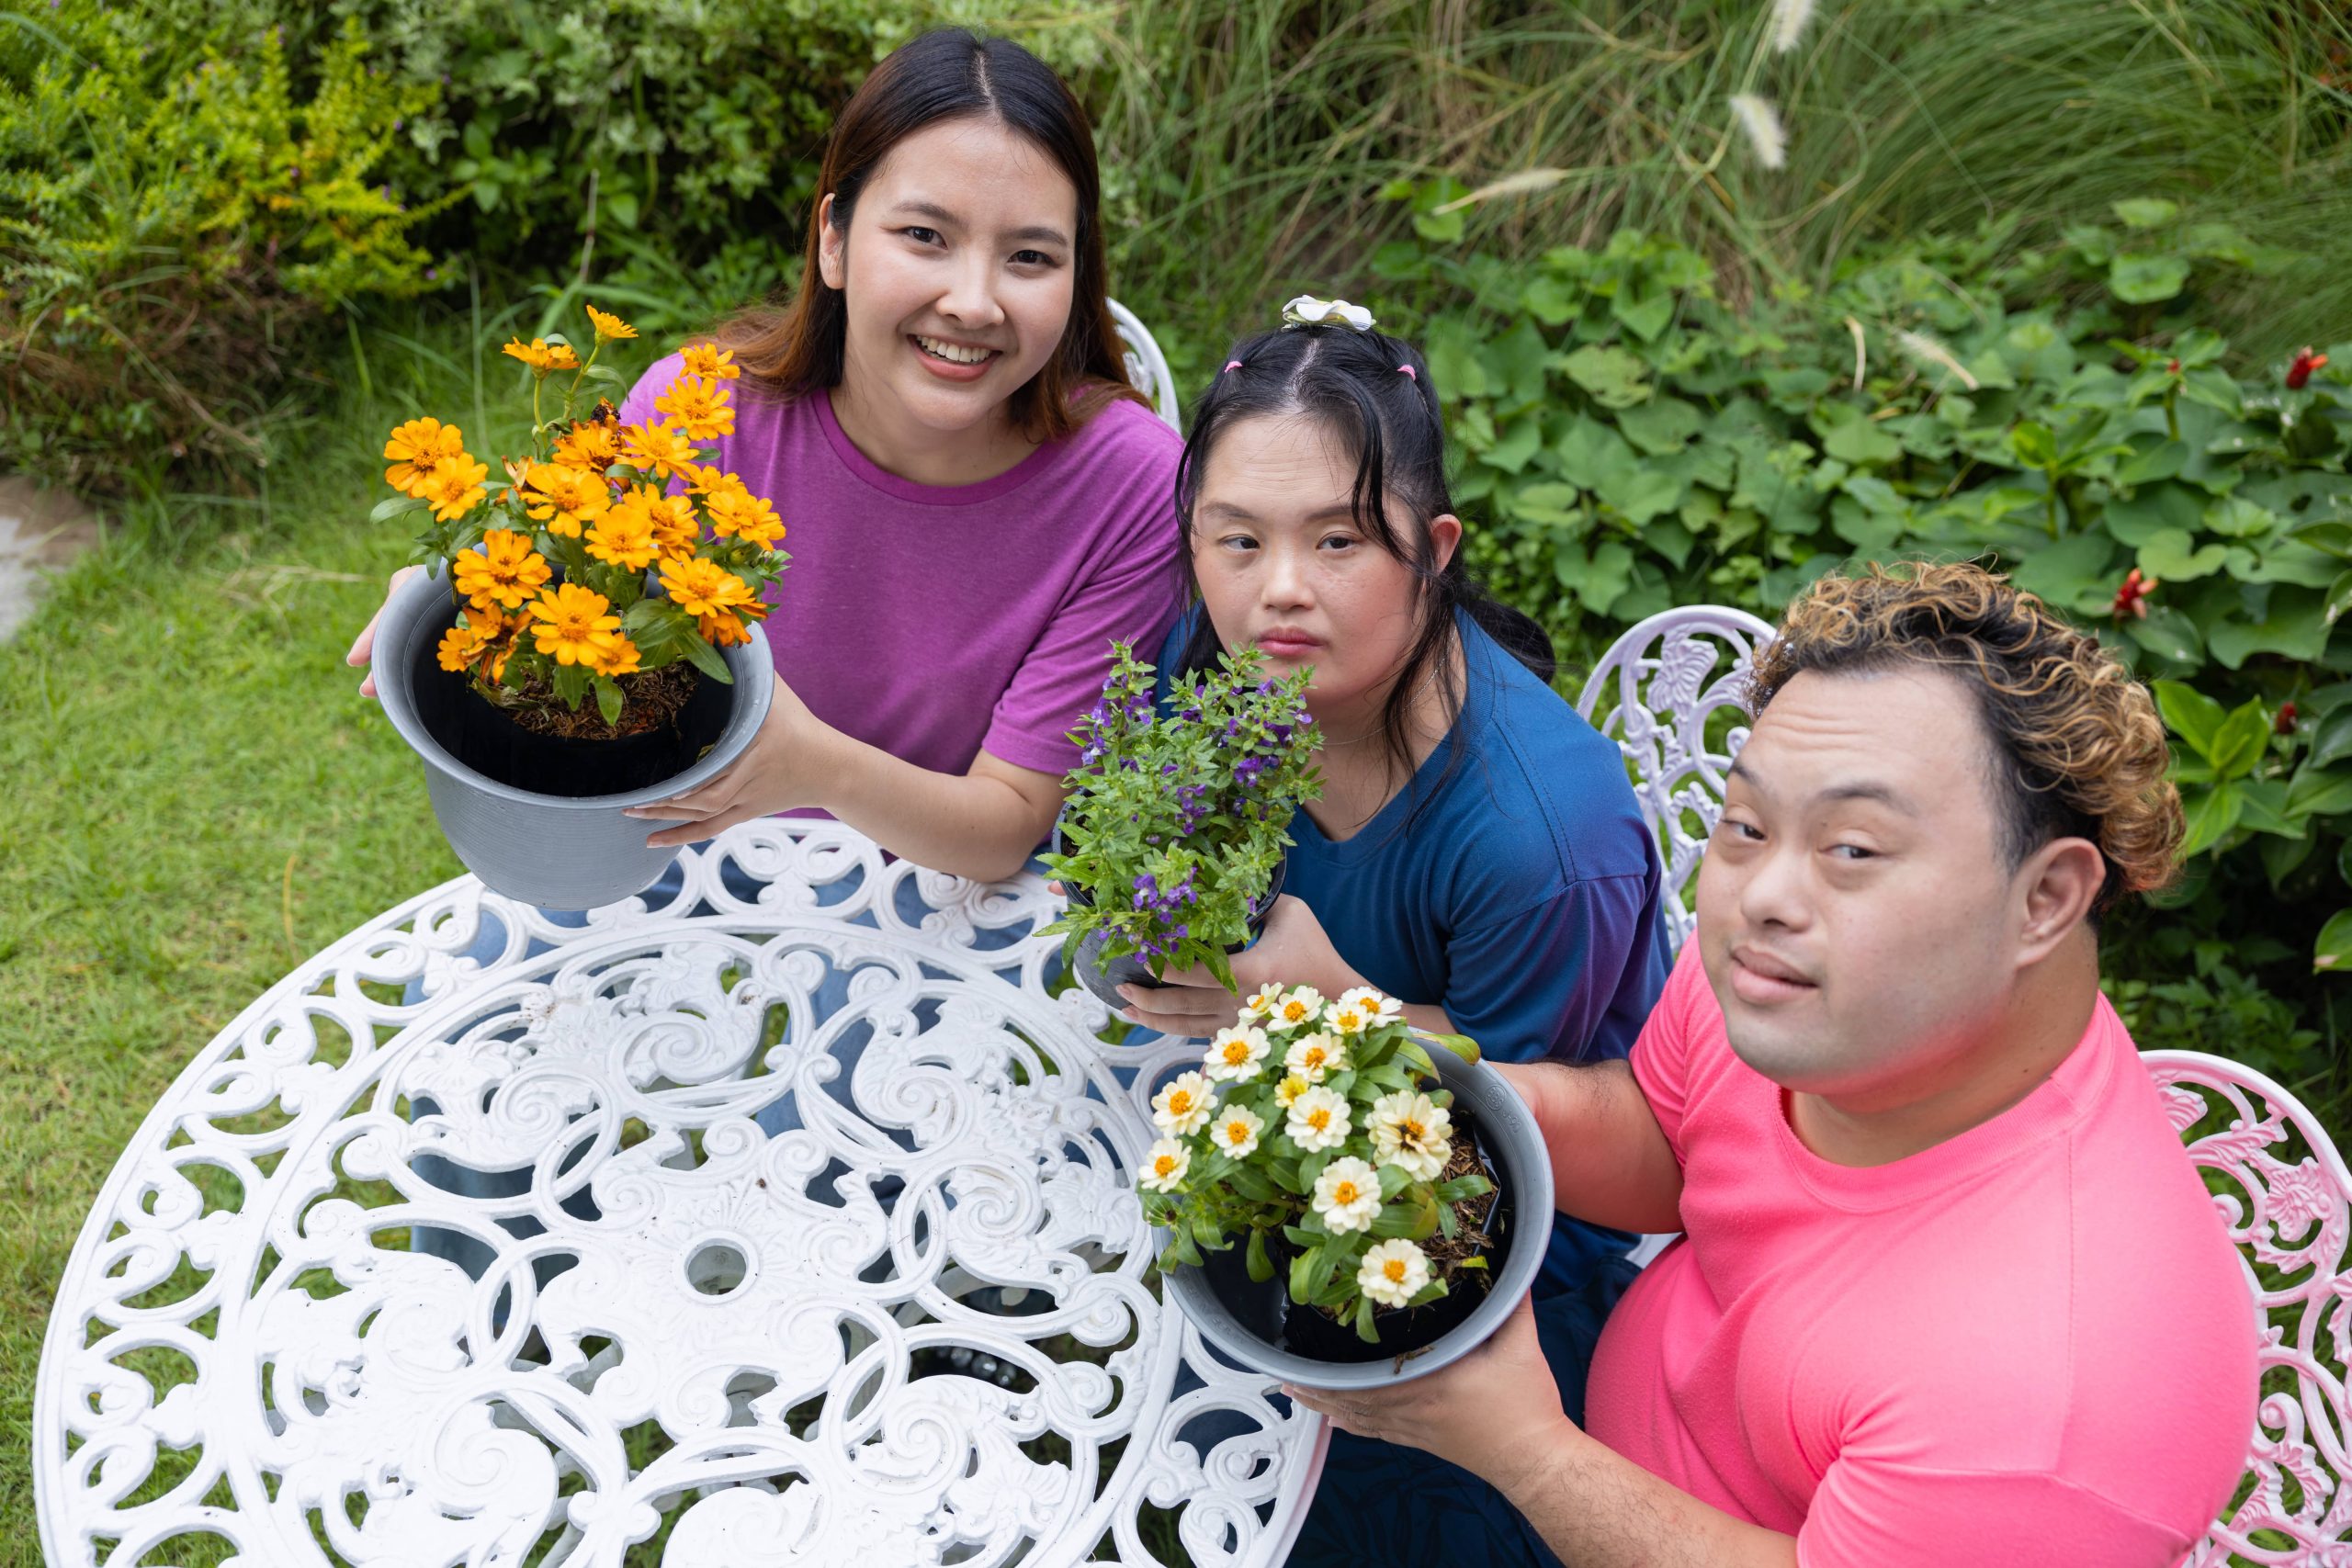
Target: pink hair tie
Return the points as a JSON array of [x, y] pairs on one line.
[[1230, 364], [1409, 371]]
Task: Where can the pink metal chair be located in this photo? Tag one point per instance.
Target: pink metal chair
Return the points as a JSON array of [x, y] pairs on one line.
[[1669, 692]]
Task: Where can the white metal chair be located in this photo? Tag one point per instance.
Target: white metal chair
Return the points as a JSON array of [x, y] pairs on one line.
[[1147, 368], [2278, 1181]]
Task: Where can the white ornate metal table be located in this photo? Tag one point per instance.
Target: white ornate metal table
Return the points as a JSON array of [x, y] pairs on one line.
[[918, 1328]]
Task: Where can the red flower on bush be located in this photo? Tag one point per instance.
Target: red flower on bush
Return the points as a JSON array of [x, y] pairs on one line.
[[2285, 723], [2131, 599], [2299, 372]]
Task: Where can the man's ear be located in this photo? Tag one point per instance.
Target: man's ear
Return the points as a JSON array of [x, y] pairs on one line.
[[831, 264], [2059, 885]]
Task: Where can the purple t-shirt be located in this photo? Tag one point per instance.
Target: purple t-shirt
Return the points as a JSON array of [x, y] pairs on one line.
[[936, 621]]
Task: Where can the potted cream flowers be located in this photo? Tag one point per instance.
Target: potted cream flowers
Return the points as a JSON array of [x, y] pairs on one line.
[[1347, 1200], [1170, 847], [585, 637]]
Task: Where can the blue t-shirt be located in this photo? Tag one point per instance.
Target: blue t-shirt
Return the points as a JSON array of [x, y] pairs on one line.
[[1518, 889]]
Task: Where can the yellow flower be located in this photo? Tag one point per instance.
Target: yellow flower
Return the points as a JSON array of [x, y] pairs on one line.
[[610, 328], [625, 537], [415, 447], [711, 482], [460, 646], [676, 530], [588, 444], [454, 486], [573, 627], [504, 573], [564, 498], [541, 355], [721, 631], [745, 515], [656, 449], [617, 657], [705, 588], [709, 359], [699, 408]]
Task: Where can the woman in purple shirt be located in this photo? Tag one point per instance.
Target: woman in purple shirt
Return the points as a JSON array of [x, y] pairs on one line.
[[978, 504]]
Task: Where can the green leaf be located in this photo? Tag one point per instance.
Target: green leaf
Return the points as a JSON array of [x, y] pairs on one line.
[[1365, 1331], [2033, 445], [2168, 557], [570, 683], [2191, 715], [1261, 1268], [1663, 424], [394, 507], [2335, 944], [1591, 454], [2240, 741], [608, 699], [2146, 212], [2236, 517], [2210, 813], [2140, 278], [2139, 517], [2073, 569], [2332, 741], [2317, 792], [2296, 625], [2167, 634], [2147, 465], [1645, 493], [1848, 436], [1645, 315], [1518, 445], [2339, 598], [1616, 378]]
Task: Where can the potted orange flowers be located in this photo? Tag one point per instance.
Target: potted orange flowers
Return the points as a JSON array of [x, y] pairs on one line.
[[580, 639]]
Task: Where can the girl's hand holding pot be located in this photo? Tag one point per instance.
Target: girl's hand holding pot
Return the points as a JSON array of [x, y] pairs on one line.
[[781, 771], [1293, 949], [364, 647]]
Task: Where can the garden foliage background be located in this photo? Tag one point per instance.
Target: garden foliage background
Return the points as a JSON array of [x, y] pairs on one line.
[[2027, 285]]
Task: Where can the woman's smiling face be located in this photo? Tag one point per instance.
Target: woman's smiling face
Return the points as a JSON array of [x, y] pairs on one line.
[[1285, 566], [956, 272]]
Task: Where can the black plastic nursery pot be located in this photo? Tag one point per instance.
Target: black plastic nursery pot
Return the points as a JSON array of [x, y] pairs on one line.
[[1257, 1325]]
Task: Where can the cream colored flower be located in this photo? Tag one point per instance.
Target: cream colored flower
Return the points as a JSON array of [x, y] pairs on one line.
[[1318, 1120], [1315, 1056], [1183, 1107], [1410, 1129], [1286, 1093], [1235, 1054], [1348, 1195], [1393, 1272], [1298, 1008], [1361, 1010], [1235, 1130], [1306, 311], [1258, 1006], [1761, 123], [1164, 1165]]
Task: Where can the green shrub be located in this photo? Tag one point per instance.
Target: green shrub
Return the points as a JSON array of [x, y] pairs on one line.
[[174, 205], [1633, 443]]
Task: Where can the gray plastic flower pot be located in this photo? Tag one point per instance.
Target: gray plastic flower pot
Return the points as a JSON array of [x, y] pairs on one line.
[[1231, 1311], [557, 851]]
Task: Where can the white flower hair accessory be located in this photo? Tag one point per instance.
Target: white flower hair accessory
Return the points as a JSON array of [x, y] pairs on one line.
[[1308, 311]]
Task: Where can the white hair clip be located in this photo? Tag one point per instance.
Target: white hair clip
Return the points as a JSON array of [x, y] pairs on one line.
[[1308, 311]]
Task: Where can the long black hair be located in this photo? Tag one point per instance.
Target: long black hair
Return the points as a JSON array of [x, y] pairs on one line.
[[1356, 386]]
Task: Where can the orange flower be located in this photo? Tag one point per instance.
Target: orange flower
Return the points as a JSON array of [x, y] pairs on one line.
[[671, 518], [541, 355], [710, 479], [617, 657], [504, 573], [565, 498], [709, 359], [415, 447], [454, 486], [460, 646], [699, 408], [656, 449], [625, 537], [573, 627], [609, 328], [2131, 599], [2299, 374], [722, 630], [746, 516], [705, 588], [588, 444]]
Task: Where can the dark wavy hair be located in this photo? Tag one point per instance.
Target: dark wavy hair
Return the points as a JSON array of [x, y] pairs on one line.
[[948, 74], [1350, 383]]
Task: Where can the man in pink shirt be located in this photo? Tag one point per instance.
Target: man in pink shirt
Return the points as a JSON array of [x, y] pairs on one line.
[[1949, 1291]]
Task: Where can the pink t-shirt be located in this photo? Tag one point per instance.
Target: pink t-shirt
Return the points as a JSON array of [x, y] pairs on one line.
[[2031, 1344], [936, 621]]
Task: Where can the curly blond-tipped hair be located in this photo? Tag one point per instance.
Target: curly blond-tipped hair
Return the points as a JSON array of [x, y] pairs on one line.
[[2081, 751]]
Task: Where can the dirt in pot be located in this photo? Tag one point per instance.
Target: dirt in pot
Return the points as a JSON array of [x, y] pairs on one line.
[[574, 755], [1483, 1225]]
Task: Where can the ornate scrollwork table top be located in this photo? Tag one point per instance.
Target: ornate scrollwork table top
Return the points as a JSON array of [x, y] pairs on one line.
[[914, 1324]]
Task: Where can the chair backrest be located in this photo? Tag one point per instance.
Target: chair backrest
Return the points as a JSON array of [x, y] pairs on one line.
[[2278, 1183], [1147, 368]]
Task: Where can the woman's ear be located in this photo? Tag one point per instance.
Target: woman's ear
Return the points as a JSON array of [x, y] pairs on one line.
[[1445, 537], [830, 265]]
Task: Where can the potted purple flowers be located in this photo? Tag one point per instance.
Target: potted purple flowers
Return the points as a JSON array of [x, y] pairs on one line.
[[1170, 847]]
